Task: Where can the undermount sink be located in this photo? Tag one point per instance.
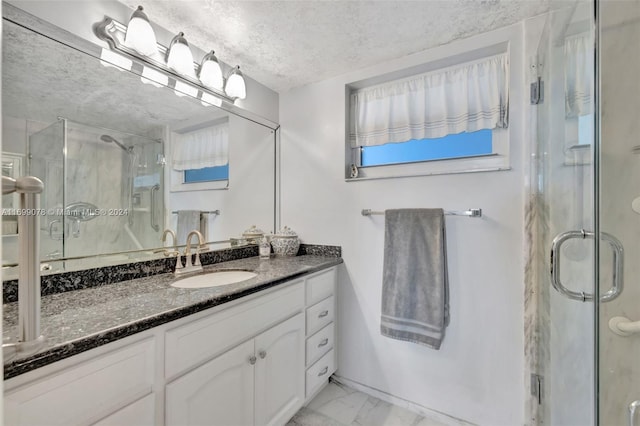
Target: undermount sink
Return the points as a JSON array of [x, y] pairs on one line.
[[214, 279]]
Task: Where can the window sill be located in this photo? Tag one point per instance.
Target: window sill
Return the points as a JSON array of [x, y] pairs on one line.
[[487, 163], [200, 186]]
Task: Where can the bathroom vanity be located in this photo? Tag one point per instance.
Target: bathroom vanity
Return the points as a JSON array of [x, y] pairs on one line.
[[247, 353]]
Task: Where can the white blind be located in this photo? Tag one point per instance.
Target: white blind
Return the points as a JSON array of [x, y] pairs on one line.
[[579, 74], [201, 148], [464, 98]]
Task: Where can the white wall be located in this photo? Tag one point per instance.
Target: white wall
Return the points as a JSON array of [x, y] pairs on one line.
[[477, 375]]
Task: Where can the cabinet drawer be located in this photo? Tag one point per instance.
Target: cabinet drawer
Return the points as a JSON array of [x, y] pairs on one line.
[[198, 341], [320, 343], [320, 314], [319, 372], [321, 286], [87, 392]]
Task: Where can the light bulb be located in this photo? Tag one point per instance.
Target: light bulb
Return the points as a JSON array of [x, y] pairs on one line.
[[140, 36], [210, 72], [236, 87], [179, 56]]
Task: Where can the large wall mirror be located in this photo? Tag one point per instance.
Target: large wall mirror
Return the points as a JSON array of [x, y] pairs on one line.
[[119, 155]]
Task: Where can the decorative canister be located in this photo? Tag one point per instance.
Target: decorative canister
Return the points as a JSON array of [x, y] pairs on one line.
[[285, 242], [253, 234]]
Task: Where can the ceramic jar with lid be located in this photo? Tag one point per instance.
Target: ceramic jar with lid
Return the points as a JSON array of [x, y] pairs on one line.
[[253, 234], [285, 242]]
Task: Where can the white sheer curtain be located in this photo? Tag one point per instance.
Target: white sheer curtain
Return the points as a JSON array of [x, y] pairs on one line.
[[201, 148], [579, 74], [463, 98]]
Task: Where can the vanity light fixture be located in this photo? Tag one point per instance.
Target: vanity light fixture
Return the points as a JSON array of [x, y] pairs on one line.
[[167, 66], [140, 36], [179, 56], [235, 86], [210, 72]]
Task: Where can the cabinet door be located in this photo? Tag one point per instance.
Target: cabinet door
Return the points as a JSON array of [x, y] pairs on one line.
[[280, 372], [219, 392]]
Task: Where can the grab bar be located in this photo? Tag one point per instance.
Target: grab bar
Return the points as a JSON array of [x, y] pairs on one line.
[[152, 207], [29, 338], [623, 326], [618, 258]]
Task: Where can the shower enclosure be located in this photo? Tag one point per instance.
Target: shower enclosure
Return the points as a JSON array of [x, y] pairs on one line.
[[583, 217], [103, 189]]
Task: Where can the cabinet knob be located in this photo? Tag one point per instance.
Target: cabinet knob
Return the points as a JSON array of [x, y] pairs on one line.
[[262, 354], [323, 342], [323, 372], [252, 359], [323, 314]]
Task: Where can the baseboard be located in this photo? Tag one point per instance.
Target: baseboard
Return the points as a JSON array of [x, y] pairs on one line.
[[400, 402]]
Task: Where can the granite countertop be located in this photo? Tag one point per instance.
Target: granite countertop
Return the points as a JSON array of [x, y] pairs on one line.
[[76, 321]]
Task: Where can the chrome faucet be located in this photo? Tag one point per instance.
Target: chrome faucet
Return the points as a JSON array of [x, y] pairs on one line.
[[192, 266], [175, 252]]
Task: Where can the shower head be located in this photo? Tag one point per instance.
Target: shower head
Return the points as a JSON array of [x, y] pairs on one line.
[[109, 139]]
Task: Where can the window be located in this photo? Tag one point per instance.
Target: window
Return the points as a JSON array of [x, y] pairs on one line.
[[452, 146], [453, 118], [207, 174]]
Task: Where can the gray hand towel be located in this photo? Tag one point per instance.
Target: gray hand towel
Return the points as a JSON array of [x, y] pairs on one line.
[[188, 220], [415, 288]]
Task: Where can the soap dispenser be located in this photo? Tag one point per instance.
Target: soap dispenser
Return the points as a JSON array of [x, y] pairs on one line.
[[265, 248]]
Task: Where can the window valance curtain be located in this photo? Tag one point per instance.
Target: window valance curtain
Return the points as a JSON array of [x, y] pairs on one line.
[[201, 148], [579, 75], [463, 98]]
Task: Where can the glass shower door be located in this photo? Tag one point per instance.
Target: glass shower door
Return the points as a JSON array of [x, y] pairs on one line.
[[562, 222]]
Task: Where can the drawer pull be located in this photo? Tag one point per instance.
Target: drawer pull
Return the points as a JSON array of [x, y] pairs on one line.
[[262, 354], [323, 314], [324, 371], [252, 359], [323, 342]]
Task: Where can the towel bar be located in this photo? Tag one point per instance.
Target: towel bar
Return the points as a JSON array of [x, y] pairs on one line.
[[469, 213]]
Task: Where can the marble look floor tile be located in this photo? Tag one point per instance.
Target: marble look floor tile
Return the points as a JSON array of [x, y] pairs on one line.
[[307, 417], [339, 402], [375, 412]]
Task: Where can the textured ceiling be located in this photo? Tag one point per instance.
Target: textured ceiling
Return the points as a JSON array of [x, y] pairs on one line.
[[84, 92], [285, 44]]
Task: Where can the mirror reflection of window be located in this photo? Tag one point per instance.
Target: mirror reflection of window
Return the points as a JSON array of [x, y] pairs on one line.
[[200, 153]]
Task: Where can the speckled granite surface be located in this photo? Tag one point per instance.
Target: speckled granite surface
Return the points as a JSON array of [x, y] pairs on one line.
[[319, 250], [76, 321], [77, 280]]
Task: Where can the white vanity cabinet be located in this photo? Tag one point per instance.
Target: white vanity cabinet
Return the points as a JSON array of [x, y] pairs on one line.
[[320, 344], [252, 361], [257, 382], [87, 392]]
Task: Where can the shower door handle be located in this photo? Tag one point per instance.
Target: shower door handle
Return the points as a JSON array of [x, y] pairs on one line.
[[618, 259], [152, 207]]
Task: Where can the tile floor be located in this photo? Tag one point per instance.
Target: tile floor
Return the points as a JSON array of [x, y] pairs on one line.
[[339, 405]]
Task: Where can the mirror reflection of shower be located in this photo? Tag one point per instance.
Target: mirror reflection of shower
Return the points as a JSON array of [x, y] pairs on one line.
[[128, 192], [85, 165]]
